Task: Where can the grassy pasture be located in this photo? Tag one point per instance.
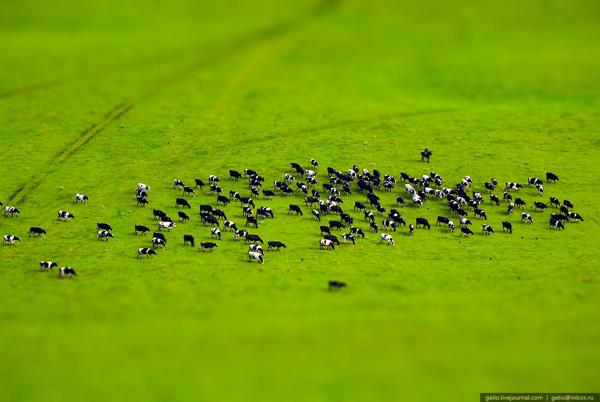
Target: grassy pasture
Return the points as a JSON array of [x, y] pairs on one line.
[[96, 99]]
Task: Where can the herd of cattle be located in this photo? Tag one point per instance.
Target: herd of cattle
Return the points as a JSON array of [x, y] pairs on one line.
[[464, 202]]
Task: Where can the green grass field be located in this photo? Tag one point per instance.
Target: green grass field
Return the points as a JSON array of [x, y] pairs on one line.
[[96, 98]]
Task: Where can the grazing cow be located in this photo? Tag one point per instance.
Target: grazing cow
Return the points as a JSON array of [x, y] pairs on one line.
[[145, 251], [253, 255], [9, 240], [525, 217], [229, 225], [199, 183], [423, 222], [357, 231], [575, 216], [348, 237], [506, 196], [557, 224], [336, 285], [494, 199], [182, 202], [246, 201], [141, 194], [234, 175], [507, 226], [540, 205], [336, 225], [65, 215], [36, 232], [568, 204], [369, 216], [240, 233], [265, 212], [166, 225], [333, 238], [157, 213], [47, 265], [206, 208], [141, 228], [512, 186], [12, 211], [143, 187], [215, 189], [104, 226], [183, 216], [66, 272], [411, 229], [250, 172], [250, 220], [426, 154], [487, 229], [294, 208], [465, 222], [275, 245], [347, 219], [104, 235], [520, 203], [159, 235], [387, 238], [82, 198], [540, 189], [564, 210], [479, 213], [466, 231], [289, 178], [268, 194], [257, 248], [158, 242], [389, 223], [551, 177], [247, 211], [210, 220], [533, 181], [252, 238], [316, 214], [188, 191], [314, 163], [442, 220], [451, 226], [221, 199], [326, 244], [210, 246], [141, 201], [178, 183], [212, 179], [511, 208], [189, 239], [373, 226], [554, 202], [215, 232]]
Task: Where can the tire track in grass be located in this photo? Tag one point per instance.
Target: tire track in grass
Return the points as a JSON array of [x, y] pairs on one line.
[[116, 112]]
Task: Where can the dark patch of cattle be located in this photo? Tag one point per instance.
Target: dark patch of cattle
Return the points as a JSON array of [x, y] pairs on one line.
[[234, 175], [188, 191], [551, 177], [199, 183], [45, 265], [189, 239], [540, 205], [275, 245], [252, 238], [145, 251], [423, 222], [336, 285], [252, 221], [466, 231], [332, 239], [182, 202], [66, 272], [141, 228], [103, 226], [157, 213], [36, 232], [442, 220], [426, 155], [336, 225], [183, 216], [206, 208], [141, 201], [479, 213], [507, 226], [294, 208], [210, 246]]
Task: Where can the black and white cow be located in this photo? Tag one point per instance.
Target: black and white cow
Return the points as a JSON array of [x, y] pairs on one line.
[[178, 183], [533, 181], [275, 245], [479, 213], [253, 255], [568, 204], [240, 233], [182, 202], [540, 189], [423, 222], [411, 229], [212, 179], [494, 199], [389, 223], [387, 238], [215, 189], [82, 198], [159, 235], [268, 194], [551, 177], [166, 225], [229, 225], [65, 215], [348, 238], [512, 186], [252, 221], [103, 226], [265, 212], [525, 217], [215, 232], [210, 246], [507, 226], [451, 226], [487, 229], [314, 163], [12, 211], [9, 240], [158, 242], [510, 208], [104, 235], [575, 216], [183, 216], [145, 251], [47, 265], [357, 231], [326, 244], [316, 214], [465, 222], [141, 201], [187, 238], [256, 248], [36, 232], [554, 202], [143, 187], [294, 208], [188, 191], [66, 272]]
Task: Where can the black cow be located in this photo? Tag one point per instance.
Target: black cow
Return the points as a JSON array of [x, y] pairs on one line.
[[182, 202], [575, 216], [188, 191], [210, 220], [275, 245], [540, 205], [325, 229], [294, 208], [466, 231], [104, 226], [480, 213], [442, 220], [157, 213], [178, 183], [141, 228], [332, 239], [141, 201], [268, 194], [250, 220], [374, 227], [336, 225], [234, 175], [336, 285], [487, 229], [400, 201], [210, 246], [423, 222], [507, 226], [554, 202], [145, 251], [359, 205], [495, 199], [253, 238], [183, 216], [199, 183], [221, 199], [551, 177], [426, 154], [568, 204], [206, 208], [189, 239], [36, 232]]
